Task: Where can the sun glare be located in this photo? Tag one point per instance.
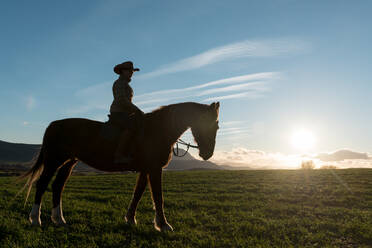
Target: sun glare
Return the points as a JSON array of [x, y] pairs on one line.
[[303, 140]]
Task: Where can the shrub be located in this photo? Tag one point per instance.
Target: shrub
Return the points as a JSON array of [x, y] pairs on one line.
[[308, 165]]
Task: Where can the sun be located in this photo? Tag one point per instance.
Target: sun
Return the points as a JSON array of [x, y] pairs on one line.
[[303, 140]]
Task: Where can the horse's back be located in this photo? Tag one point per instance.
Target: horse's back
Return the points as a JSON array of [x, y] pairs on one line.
[[67, 131], [76, 122], [75, 125]]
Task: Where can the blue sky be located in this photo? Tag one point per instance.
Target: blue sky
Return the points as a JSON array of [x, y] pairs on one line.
[[275, 66]]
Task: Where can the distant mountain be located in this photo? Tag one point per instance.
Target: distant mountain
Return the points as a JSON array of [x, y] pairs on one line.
[[17, 153], [188, 162], [15, 156]]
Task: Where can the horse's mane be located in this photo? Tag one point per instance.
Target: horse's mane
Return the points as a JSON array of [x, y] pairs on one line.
[[184, 106]]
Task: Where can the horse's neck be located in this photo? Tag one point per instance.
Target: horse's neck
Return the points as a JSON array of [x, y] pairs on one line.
[[178, 119]]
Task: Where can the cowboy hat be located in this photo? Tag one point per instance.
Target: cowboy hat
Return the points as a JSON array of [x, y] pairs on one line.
[[127, 65]]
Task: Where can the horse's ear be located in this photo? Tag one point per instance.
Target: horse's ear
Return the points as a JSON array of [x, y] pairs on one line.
[[218, 109], [212, 106], [215, 105]]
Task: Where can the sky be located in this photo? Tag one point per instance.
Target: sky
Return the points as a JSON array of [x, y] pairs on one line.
[[277, 67]]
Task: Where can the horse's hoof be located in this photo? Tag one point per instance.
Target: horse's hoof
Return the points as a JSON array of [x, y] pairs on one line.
[[35, 221], [130, 220], [163, 227], [166, 228], [58, 221]]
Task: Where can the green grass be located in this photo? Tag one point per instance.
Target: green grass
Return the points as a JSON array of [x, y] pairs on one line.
[[281, 208]]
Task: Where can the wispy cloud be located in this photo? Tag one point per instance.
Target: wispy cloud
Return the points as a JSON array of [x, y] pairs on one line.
[[248, 94], [99, 96], [257, 86], [235, 132], [247, 48], [232, 123], [254, 89], [231, 80]]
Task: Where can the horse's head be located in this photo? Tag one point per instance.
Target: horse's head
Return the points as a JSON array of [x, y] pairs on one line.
[[204, 130]]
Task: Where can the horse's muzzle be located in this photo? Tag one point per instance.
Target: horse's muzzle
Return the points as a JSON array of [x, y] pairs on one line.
[[205, 156]]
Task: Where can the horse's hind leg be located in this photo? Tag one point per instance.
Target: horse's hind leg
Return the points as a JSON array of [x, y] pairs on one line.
[[58, 186], [130, 217], [41, 186]]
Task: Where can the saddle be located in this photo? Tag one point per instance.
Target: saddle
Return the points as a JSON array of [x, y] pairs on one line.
[[117, 123]]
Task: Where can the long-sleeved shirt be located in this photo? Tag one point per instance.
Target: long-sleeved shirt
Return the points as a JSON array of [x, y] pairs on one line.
[[123, 95]]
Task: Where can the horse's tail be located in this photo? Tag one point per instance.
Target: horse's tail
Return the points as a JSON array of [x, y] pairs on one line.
[[33, 174]]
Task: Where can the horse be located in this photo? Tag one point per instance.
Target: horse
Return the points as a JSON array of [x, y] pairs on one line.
[[68, 141]]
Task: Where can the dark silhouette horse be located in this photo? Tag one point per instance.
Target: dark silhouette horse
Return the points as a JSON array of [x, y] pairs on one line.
[[69, 140]]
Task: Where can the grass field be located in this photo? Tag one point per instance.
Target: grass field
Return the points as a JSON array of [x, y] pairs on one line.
[[319, 208]]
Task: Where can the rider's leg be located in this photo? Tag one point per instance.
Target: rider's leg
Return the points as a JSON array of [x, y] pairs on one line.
[[136, 136], [133, 145], [121, 154]]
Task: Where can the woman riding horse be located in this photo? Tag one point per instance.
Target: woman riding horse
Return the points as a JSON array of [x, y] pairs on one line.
[[123, 113], [68, 141]]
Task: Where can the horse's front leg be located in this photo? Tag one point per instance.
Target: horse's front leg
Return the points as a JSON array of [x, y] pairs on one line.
[[130, 217], [160, 221]]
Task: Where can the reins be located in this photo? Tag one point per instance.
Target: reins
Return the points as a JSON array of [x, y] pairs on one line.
[[176, 151]]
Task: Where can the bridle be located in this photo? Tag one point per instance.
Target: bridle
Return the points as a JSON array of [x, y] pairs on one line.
[[176, 151]]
